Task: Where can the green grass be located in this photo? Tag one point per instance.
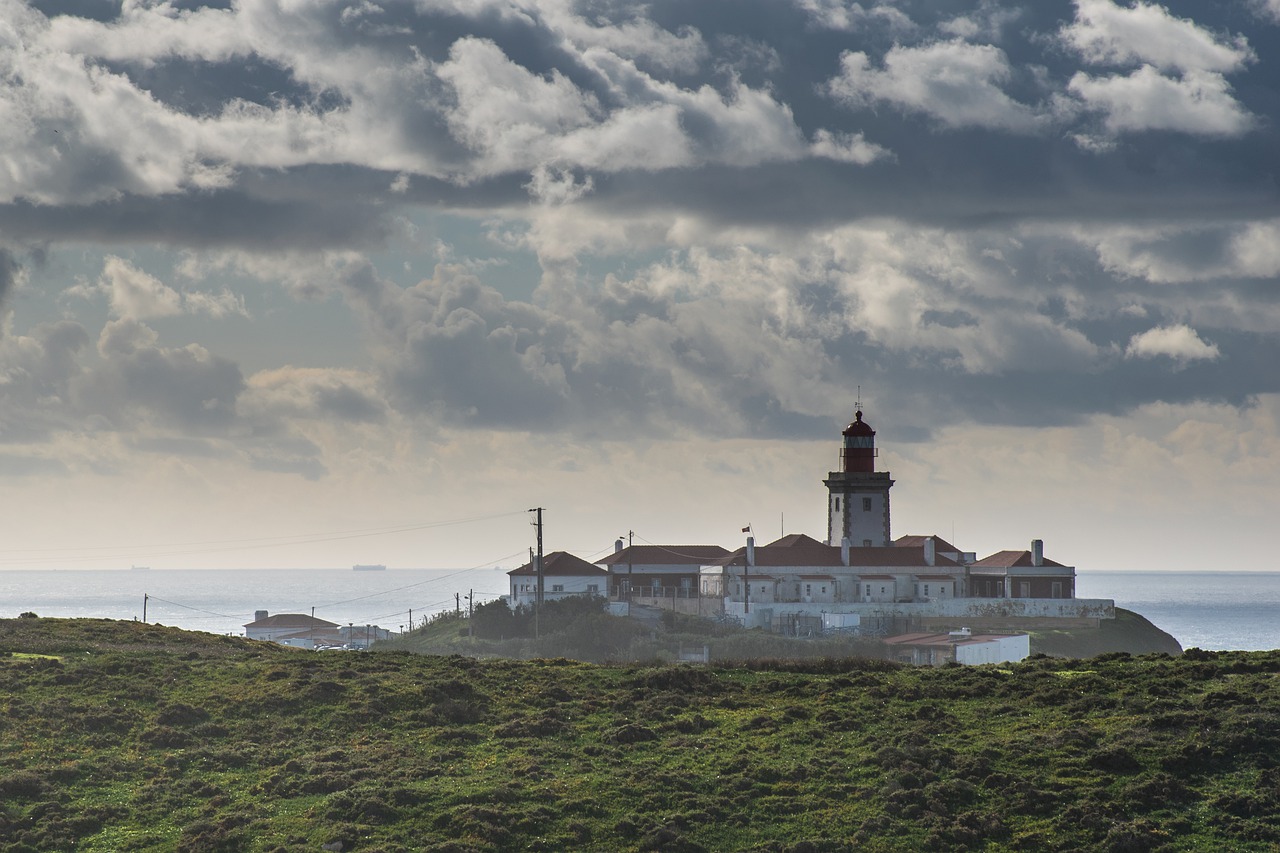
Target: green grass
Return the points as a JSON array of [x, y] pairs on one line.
[[121, 736]]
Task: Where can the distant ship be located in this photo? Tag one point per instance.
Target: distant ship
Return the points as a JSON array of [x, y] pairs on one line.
[[361, 567], [140, 568]]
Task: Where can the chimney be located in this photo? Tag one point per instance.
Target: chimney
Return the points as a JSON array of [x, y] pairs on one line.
[[259, 615], [617, 546], [1037, 552], [930, 551], [844, 550], [751, 550]]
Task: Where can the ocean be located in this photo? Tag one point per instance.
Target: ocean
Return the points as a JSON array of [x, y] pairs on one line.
[[1209, 610], [223, 601]]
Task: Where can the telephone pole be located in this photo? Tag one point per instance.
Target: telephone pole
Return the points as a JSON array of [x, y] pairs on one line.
[[537, 565]]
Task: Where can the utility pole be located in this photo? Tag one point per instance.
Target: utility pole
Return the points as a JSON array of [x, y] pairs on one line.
[[457, 603], [629, 561], [471, 623], [537, 565], [144, 607]]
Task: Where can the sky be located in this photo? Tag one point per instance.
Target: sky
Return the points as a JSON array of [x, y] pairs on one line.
[[309, 284]]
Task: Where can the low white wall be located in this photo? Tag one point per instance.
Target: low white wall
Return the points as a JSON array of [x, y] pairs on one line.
[[959, 608]]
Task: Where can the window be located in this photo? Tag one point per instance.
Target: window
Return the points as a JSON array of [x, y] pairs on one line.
[[763, 589], [866, 543], [1057, 589], [824, 590], [557, 587], [837, 504], [808, 589], [868, 590], [866, 504], [926, 589], [593, 588]]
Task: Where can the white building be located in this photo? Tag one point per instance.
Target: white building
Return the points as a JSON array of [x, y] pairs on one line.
[[563, 575]]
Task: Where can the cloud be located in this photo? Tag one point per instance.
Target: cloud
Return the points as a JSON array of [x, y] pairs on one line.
[[1269, 9], [1180, 343], [38, 372], [186, 387], [1104, 33], [846, 147], [956, 83], [314, 394], [10, 272], [1180, 254], [137, 295], [1199, 102], [846, 16]]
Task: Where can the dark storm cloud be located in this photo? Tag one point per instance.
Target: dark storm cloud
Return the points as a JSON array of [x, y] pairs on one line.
[[211, 220]]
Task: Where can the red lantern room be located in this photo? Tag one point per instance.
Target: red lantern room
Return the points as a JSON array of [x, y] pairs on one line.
[[858, 456]]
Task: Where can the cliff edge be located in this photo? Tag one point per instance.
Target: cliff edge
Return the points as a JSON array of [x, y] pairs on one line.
[[1128, 632]]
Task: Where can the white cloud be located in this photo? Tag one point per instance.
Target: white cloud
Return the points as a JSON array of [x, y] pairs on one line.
[[846, 147], [1269, 9], [1180, 343], [1184, 254], [954, 82], [137, 295], [847, 16], [1105, 33], [1199, 102]]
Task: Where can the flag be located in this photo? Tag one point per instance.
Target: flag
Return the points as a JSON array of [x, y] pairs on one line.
[[747, 529]]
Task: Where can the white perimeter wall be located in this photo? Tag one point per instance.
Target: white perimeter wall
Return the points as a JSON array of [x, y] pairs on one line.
[[989, 608]]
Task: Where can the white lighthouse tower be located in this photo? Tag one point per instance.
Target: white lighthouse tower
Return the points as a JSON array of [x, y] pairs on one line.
[[858, 494]]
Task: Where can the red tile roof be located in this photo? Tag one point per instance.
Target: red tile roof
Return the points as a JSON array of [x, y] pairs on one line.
[[939, 543], [560, 564], [829, 555], [665, 555], [793, 540], [291, 620], [1010, 559]]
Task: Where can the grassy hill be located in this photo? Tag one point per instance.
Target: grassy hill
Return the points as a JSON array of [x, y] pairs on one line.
[[124, 736]]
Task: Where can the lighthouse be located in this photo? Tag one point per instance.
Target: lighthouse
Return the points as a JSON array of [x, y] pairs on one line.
[[858, 494]]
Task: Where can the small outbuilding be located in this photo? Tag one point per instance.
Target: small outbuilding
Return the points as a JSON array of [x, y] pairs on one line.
[[267, 627], [962, 646]]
